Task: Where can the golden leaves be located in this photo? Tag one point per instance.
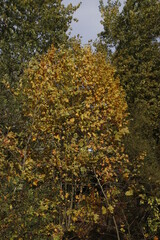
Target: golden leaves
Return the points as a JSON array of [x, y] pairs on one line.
[[72, 120], [83, 96], [104, 210], [66, 100], [129, 193], [35, 182], [34, 138], [75, 107], [57, 137]]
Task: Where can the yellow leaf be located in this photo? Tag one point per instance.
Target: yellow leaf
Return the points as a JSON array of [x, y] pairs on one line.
[[122, 229], [83, 197], [104, 210], [72, 120], [66, 196], [76, 197], [54, 152], [35, 182], [110, 208], [34, 139], [88, 105], [126, 175], [66, 100], [74, 219], [129, 193], [96, 217], [57, 137]]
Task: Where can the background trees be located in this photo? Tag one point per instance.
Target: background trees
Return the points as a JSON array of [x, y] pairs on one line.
[[134, 35], [27, 28]]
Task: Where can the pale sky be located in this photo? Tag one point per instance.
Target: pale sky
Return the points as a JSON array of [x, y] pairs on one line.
[[89, 18]]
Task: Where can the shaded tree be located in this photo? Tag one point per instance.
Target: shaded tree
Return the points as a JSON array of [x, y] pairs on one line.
[[134, 34]]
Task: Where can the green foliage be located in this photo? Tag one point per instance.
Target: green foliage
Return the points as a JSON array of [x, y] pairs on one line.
[[27, 28], [133, 36], [134, 33]]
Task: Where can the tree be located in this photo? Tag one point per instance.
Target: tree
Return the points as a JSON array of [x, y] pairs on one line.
[[134, 33], [74, 113], [66, 170], [27, 28]]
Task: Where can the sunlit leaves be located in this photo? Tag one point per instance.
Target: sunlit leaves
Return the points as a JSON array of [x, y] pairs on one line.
[[27, 28], [74, 109]]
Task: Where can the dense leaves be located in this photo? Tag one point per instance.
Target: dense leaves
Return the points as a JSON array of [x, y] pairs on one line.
[[27, 28], [64, 171], [75, 117], [131, 39], [134, 33]]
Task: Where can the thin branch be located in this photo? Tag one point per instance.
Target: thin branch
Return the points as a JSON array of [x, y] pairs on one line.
[[128, 226], [114, 220]]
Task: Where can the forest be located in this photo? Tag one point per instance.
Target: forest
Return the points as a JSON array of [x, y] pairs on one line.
[[79, 125]]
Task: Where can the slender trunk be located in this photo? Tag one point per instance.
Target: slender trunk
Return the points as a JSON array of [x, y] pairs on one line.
[[114, 220]]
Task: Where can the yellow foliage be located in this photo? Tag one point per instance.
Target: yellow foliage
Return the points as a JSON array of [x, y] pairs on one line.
[[77, 117]]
